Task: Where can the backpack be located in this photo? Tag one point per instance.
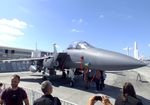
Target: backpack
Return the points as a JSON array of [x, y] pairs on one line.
[[46, 100], [54, 102]]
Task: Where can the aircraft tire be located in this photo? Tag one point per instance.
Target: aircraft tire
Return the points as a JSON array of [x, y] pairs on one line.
[[44, 78], [43, 72], [64, 75]]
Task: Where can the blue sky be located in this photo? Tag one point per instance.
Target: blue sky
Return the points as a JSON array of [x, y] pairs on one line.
[[107, 24]]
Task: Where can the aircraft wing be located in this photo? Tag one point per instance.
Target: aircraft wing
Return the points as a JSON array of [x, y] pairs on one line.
[[27, 59]]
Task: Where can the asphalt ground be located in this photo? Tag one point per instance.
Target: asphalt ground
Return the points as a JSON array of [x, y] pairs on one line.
[[79, 95]]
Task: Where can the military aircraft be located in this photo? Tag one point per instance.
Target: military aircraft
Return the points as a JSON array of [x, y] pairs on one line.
[[80, 53]]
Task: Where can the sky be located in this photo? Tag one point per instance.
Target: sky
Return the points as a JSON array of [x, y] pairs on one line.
[[108, 24]]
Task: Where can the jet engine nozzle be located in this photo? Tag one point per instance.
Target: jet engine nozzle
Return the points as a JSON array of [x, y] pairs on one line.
[[33, 68]]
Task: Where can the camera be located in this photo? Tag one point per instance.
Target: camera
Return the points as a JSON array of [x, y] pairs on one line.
[[98, 98]]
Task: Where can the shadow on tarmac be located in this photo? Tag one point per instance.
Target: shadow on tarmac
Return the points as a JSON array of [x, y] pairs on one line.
[[109, 90]]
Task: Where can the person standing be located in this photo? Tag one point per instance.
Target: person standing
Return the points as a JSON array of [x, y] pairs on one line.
[[88, 75], [128, 96], [97, 79], [103, 76], [47, 98], [1, 84], [14, 95]]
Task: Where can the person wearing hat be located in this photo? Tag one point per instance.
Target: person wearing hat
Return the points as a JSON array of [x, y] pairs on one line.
[[47, 98]]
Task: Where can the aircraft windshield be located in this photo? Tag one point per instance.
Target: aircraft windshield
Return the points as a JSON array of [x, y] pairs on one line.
[[79, 45]]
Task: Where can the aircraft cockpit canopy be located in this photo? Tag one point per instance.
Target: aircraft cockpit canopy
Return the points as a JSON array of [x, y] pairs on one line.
[[79, 45]]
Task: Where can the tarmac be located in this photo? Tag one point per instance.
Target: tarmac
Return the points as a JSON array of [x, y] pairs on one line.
[[79, 95]]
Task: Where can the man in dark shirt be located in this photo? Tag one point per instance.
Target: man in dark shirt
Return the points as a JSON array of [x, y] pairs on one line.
[[47, 98], [14, 95]]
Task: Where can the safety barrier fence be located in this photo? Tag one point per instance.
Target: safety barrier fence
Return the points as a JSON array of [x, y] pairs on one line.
[[33, 95], [14, 66]]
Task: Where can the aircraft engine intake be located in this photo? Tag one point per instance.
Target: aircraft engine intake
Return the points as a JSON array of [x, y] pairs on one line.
[[33, 68], [56, 63]]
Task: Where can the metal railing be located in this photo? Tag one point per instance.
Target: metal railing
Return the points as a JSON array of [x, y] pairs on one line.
[[33, 95]]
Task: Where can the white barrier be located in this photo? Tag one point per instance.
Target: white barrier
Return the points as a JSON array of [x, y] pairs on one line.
[[33, 95]]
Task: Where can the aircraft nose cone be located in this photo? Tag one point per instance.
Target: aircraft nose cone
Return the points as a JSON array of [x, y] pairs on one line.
[[137, 63], [117, 61], [128, 62]]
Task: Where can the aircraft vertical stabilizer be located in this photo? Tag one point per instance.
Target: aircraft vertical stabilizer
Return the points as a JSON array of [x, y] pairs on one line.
[[55, 50], [55, 54], [36, 53]]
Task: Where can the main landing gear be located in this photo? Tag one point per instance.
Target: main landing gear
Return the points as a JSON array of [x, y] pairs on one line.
[[71, 76]]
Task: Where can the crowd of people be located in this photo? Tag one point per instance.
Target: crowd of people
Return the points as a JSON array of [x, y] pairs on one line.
[[97, 76], [16, 95], [127, 97]]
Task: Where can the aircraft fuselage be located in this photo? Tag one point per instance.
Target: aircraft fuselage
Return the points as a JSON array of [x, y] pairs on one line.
[[102, 59]]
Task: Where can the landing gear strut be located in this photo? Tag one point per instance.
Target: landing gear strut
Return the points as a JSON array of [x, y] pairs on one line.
[[44, 76], [64, 75]]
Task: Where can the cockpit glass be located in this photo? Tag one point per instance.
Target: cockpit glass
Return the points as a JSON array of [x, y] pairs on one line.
[[79, 45]]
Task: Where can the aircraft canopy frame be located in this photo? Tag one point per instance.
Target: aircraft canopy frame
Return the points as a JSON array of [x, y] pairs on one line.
[[79, 45]]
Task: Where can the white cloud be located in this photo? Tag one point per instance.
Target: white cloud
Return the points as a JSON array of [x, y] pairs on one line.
[[13, 23], [148, 45], [75, 30], [80, 20], [4, 29], [101, 16], [10, 30], [6, 36], [77, 21]]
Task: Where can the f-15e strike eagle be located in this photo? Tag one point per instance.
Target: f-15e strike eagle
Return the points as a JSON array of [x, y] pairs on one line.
[[78, 54]]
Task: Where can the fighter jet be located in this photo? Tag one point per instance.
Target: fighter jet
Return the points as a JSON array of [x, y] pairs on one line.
[[80, 53]]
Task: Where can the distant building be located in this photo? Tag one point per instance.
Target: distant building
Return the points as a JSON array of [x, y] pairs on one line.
[[16, 53]]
